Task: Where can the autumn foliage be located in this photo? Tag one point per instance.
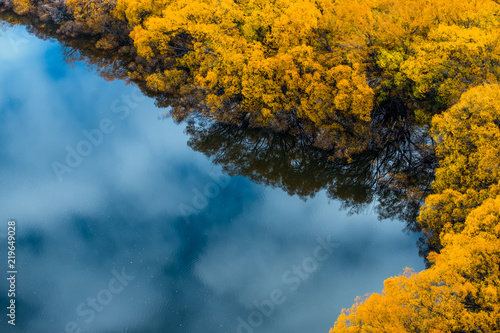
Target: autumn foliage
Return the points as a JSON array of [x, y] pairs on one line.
[[272, 63], [461, 291], [326, 69], [318, 64]]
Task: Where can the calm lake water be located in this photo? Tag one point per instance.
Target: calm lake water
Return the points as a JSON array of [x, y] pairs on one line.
[[122, 227]]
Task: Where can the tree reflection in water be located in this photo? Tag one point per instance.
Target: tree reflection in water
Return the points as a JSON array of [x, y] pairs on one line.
[[395, 178]]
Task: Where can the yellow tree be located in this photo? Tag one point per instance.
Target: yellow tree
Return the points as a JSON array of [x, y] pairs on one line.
[[468, 146], [22, 7], [273, 63], [459, 293]]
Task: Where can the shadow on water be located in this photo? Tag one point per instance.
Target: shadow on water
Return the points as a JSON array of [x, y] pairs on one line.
[[393, 180]]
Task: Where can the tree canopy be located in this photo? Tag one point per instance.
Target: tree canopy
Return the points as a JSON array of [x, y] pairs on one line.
[[461, 291]]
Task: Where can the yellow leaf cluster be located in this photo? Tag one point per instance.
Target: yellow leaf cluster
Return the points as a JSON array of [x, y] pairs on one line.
[[22, 7], [461, 290]]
